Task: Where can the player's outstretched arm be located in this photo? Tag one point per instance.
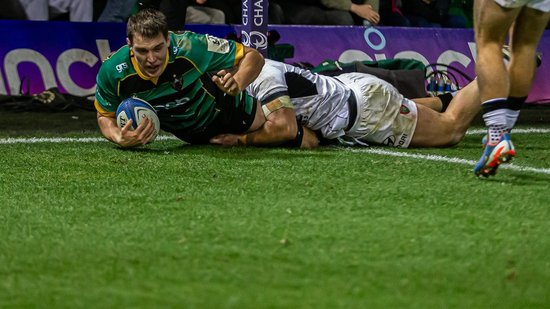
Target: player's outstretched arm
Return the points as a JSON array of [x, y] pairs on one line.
[[280, 129], [125, 137]]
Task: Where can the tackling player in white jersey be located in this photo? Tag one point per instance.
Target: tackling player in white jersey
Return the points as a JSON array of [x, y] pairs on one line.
[[354, 108]]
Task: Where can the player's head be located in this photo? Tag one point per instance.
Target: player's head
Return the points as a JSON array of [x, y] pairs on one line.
[[147, 36]]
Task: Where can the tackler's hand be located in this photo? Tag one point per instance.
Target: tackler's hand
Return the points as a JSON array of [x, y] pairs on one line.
[[228, 140], [310, 139], [226, 82]]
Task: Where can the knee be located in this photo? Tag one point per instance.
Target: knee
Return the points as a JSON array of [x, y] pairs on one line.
[[456, 138], [451, 135]]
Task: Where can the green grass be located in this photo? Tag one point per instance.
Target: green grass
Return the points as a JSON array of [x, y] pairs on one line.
[[87, 225]]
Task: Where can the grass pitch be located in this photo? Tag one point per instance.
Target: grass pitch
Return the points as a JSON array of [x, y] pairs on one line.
[[87, 225]]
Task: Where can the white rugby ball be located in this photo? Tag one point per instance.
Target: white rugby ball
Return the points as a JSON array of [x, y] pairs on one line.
[[137, 110]]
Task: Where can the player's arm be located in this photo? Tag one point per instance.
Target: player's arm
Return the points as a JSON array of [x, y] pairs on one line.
[[279, 129], [247, 68], [125, 137]]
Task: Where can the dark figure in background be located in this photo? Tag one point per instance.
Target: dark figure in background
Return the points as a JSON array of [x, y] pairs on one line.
[[391, 15], [233, 11], [175, 11], [330, 12], [12, 9], [431, 13]]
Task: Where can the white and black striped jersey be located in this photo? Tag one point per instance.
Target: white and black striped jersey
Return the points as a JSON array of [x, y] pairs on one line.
[[320, 101]]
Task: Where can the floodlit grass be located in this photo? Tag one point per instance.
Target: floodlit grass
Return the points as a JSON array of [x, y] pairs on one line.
[[171, 225]]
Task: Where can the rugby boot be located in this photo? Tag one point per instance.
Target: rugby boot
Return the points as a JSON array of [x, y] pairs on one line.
[[502, 151]]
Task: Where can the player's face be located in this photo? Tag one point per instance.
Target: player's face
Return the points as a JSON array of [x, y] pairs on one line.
[[150, 54]]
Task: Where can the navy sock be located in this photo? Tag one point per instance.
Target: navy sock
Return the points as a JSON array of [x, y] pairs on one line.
[[445, 100]]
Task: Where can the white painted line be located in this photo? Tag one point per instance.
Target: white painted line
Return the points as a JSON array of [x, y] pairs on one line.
[[372, 150], [515, 131], [438, 158], [34, 140]]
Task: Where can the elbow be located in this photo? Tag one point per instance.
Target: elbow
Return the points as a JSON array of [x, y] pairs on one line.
[[283, 129], [258, 59], [289, 130], [456, 138]]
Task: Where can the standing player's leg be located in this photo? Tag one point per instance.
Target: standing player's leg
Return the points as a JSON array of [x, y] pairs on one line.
[[491, 26], [525, 36]]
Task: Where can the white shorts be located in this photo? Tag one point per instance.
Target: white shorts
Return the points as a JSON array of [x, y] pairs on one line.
[[384, 116], [541, 5]]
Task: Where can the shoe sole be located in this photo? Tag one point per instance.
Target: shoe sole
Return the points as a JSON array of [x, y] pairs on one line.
[[490, 169]]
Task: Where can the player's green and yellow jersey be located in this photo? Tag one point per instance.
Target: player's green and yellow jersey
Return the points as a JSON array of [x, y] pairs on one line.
[[184, 95]]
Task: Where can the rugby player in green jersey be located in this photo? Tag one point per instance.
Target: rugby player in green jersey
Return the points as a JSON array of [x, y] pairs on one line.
[[195, 83]]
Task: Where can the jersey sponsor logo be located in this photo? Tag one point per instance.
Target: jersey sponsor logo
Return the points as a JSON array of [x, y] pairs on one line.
[[217, 45], [403, 110], [402, 140], [389, 141], [121, 67], [175, 50], [302, 119], [174, 104], [177, 83]]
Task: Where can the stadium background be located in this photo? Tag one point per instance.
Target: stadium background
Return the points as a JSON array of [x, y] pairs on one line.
[[88, 225], [71, 55], [40, 55]]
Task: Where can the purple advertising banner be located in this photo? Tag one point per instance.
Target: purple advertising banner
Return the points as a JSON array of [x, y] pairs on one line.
[[454, 47], [38, 55], [35, 56]]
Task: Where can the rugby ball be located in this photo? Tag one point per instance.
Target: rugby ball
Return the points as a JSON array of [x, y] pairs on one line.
[[137, 110]]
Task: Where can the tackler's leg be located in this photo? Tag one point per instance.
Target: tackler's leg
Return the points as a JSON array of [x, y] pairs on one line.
[[435, 129]]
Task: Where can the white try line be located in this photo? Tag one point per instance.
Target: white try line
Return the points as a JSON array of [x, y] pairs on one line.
[[34, 140], [378, 151], [515, 131]]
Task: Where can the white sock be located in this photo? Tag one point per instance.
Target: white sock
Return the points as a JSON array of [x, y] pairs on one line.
[[496, 122], [511, 118]]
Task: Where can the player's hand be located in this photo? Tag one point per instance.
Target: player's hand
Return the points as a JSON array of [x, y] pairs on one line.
[[228, 140], [226, 82], [142, 135], [310, 139]]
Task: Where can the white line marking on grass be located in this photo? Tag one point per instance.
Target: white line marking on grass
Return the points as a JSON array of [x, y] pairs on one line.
[[515, 131], [510, 166], [34, 140], [379, 151]]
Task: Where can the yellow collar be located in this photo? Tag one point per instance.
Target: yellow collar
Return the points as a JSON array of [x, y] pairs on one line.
[[143, 76]]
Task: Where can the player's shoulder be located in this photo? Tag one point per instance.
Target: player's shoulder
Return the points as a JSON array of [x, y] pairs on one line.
[[122, 54], [202, 43], [117, 65]]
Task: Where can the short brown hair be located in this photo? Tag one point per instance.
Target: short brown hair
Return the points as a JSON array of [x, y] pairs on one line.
[[147, 23]]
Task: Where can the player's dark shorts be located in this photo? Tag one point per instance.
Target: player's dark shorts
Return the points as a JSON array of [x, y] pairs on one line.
[[229, 119]]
